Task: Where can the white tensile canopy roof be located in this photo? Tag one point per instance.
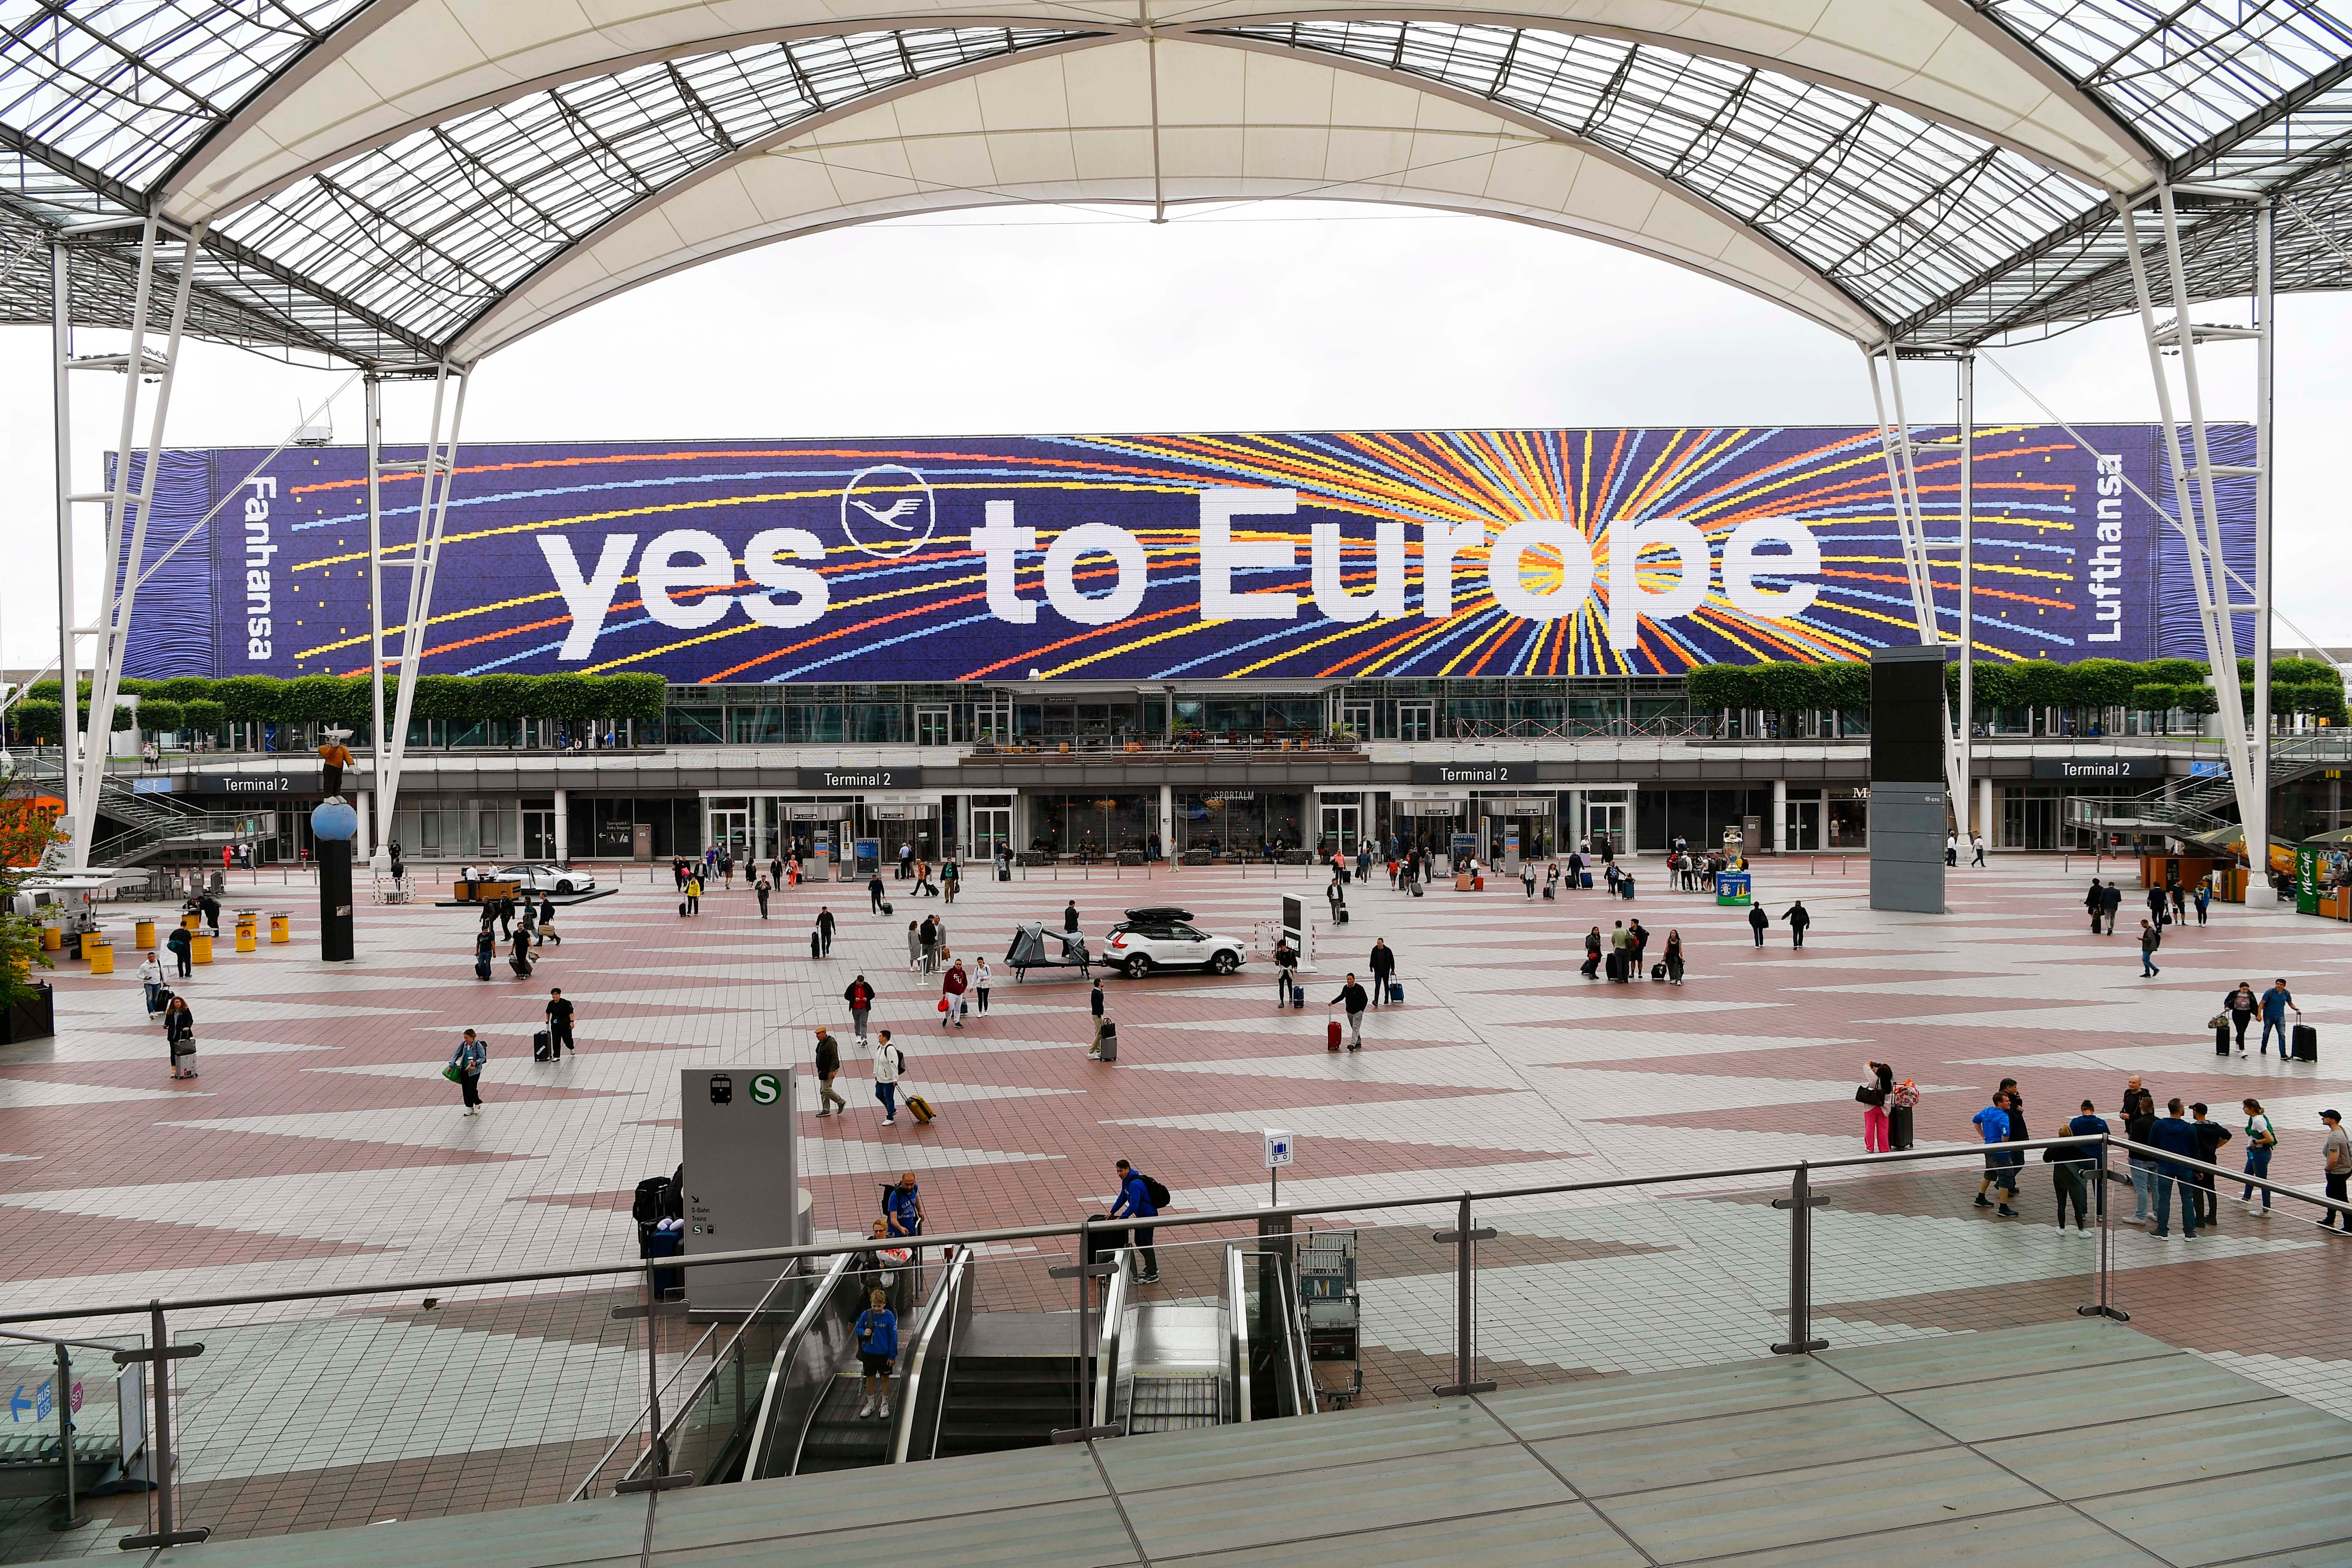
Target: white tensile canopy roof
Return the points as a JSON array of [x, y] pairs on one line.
[[401, 183]]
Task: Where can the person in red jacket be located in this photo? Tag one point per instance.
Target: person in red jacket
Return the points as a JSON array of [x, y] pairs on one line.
[[860, 998], [952, 989]]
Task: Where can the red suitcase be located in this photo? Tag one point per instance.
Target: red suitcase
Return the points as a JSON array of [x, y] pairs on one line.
[[1331, 1035]]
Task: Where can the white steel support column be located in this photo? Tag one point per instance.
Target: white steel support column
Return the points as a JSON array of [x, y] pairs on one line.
[[563, 827], [1967, 726], [437, 471], [1779, 816], [1167, 819], [2201, 535], [1985, 811], [360, 803], [2258, 828], [125, 535], [61, 407], [379, 744]]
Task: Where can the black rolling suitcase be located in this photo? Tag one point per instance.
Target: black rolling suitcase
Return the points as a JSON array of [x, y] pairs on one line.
[[2306, 1043], [814, 946], [520, 965], [542, 1047], [2221, 1039]]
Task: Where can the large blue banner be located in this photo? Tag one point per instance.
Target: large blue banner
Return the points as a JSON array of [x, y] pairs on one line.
[[1155, 557]]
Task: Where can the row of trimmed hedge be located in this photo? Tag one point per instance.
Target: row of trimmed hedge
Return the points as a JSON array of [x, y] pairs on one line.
[[201, 703], [2156, 685]]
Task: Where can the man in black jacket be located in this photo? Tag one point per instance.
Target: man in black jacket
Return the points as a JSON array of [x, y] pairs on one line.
[[559, 1023], [874, 892], [1798, 920], [1095, 1003], [1352, 995], [1383, 964], [2211, 1136], [823, 931], [828, 1068], [2096, 900]]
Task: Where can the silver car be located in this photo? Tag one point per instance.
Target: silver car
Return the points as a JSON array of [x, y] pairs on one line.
[[542, 877]]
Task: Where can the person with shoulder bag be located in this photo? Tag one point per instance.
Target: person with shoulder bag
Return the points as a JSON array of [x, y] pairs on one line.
[[2262, 1137], [1872, 1097], [180, 1034]]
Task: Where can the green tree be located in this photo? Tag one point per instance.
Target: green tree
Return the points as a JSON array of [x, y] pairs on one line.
[[2149, 698], [36, 721], [251, 699], [156, 715], [205, 714]]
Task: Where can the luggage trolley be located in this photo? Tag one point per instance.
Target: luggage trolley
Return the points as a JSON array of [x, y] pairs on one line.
[[1334, 1314]]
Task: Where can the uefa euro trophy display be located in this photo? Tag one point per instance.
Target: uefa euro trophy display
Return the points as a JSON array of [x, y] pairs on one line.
[[333, 824]]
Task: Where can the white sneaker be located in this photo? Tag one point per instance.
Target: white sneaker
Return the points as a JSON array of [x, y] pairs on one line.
[[886, 1410], [865, 1409]]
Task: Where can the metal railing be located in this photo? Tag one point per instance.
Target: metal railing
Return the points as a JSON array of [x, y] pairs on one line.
[[946, 1302], [1109, 1339], [160, 1351], [1237, 1334]]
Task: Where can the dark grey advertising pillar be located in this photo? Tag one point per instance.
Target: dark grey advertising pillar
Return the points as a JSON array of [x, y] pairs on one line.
[[1910, 804], [332, 827]]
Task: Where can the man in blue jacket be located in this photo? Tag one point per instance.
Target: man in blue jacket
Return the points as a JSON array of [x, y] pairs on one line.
[[878, 1349], [1993, 1123], [1135, 1202], [2175, 1136]]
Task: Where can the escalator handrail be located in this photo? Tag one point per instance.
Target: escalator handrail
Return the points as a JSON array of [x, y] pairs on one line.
[[1300, 1359], [911, 1382], [780, 1368], [1108, 1337], [1237, 1338]]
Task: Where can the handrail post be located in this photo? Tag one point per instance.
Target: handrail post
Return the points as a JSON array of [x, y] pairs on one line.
[[1801, 1203], [159, 1355], [662, 1477], [2104, 1307], [70, 1519], [1465, 1311]]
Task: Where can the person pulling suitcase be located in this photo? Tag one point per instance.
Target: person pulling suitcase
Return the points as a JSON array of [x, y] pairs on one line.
[[559, 1023]]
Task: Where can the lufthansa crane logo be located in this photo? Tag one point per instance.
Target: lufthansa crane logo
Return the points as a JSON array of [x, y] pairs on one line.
[[888, 510]]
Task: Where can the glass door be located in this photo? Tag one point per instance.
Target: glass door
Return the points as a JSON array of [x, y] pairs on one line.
[[1340, 826], [1804, 827], [932, 727], [730, 830], [539, 834], [1416, 721], [1605, 823], [1357, 718], [992, 830]]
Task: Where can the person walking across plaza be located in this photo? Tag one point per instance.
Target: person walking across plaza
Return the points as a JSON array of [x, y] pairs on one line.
[[2111, 900], [953, 986], [693, 893], [1977, 847], [2336, 1166], [2149, 939], [2240, 1008], [860, 998], [874, 893], [762, 887], [823, 931], [150, 979], [559, 1023], [2178, 1139], [180, 1034], [2201, 897], [1352, 998], [2262, 1137], [980, 977], [1798, 919], [889, 1064], [1135, 1202], [1382, 962], [183, 948], [1757, 921], [468, 1060], [2277, 1002], [828, 1068], [1094, 1005], [2096, 900]]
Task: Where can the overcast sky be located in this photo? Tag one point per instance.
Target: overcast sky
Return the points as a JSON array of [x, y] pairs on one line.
[[1289, 317]]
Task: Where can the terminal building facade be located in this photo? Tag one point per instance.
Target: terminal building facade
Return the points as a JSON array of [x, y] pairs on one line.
[[1209, 645]]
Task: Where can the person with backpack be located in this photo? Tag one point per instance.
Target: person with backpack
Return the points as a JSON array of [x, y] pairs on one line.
[[2149, 939], [878, 1352], [828, 1068], [1383, 964], [2262, 1137], [2202, 896], [1140, 1197], [182, 948], [466, 1062], [860, 998], [889, 1062], [1757, 921], [559, 1024], [902, 1206]]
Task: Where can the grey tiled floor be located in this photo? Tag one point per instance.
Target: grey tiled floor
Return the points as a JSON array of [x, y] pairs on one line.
[[2083, 1443]]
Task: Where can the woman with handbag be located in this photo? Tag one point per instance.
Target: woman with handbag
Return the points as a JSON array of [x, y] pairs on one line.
[[2262, 1137], [1873, 1096], [465, 1069], [180, 1034]]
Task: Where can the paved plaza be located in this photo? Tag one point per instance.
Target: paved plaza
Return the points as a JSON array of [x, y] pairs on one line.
[[321, 1146]]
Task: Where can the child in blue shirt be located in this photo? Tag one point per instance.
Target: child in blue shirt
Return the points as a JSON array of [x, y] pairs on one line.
[[878, 1349]]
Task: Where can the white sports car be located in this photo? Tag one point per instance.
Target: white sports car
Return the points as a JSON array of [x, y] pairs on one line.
[[540, 877], [1166, 939]]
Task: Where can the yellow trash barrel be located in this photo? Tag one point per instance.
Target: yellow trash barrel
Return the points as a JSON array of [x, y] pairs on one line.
[[246, 930], [200, 948], [281, 926], [101, 953], [144, 936], [52, 939]]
